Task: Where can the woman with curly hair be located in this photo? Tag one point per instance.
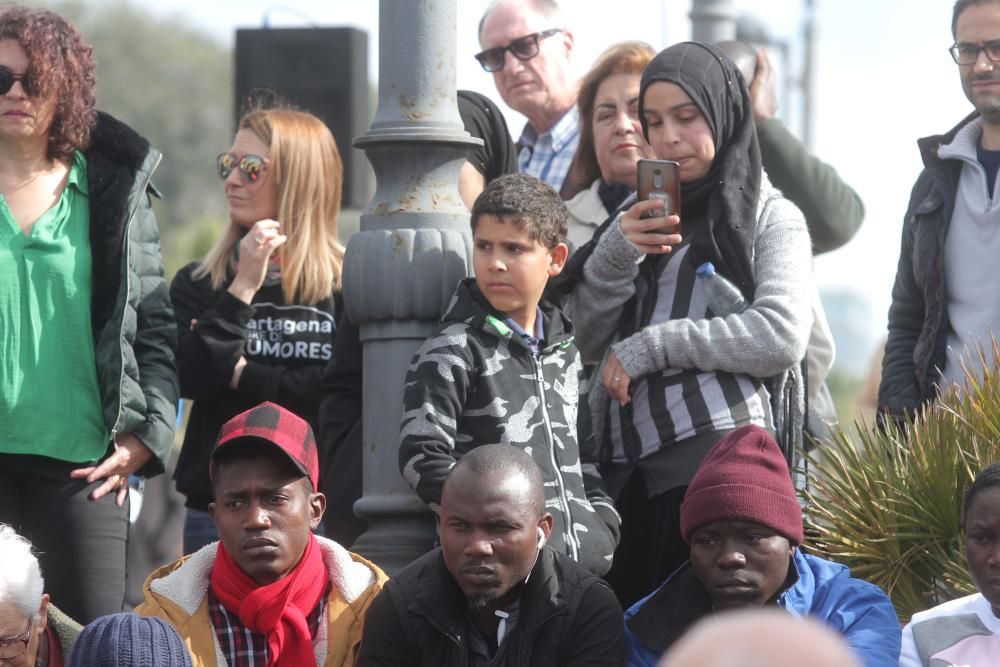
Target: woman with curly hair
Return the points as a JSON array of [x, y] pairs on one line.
[[258, 316], [88, 384]]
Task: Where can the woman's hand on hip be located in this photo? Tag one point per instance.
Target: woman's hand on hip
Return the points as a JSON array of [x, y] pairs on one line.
[[256, 249], [615, 380], [653, 236], [129, 455]]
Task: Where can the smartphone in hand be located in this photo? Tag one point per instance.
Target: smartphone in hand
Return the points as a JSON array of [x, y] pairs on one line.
[[660, 179]]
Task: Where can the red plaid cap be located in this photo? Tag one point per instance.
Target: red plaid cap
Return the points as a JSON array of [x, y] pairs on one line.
[[282, 428]]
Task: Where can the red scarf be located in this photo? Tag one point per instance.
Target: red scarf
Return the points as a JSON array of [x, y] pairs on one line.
[[278, 611]]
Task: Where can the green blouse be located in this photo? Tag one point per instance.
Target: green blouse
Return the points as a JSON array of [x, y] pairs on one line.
[[50, 403]]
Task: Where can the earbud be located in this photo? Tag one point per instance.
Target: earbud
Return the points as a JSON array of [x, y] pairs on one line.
[[541, 537]]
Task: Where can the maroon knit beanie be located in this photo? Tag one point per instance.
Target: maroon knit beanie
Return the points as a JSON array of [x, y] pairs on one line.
[[743, 477]]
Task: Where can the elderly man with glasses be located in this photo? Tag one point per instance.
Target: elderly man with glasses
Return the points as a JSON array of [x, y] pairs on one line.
[[527, 48], [33, 633], [944, 305]]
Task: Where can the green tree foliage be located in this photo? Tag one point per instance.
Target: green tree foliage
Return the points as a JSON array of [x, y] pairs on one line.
[[887, 503], [173, 84]]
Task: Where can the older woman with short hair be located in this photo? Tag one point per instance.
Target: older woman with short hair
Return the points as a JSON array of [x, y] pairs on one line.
[[33, 633], [611, 140]]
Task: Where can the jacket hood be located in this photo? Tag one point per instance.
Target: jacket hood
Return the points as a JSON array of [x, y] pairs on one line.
[[929, 145], [119, 160], [468, 306]]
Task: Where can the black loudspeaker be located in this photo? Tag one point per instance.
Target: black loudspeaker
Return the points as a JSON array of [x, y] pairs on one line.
[[321, 70]]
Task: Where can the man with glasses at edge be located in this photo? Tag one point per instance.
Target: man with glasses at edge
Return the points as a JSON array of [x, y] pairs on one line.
[[528, 51], [944, 304]]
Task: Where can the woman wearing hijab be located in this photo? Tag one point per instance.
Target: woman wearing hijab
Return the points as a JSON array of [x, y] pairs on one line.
[[676, 376], [340, 401]]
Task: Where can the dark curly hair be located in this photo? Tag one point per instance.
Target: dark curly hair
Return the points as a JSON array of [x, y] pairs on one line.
[[61, 65], [528, 203]]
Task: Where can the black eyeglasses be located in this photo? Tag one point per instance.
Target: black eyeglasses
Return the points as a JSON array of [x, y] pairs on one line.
[[7, 79], [968, 54], [523, 48], [252, 167], [16, 646]]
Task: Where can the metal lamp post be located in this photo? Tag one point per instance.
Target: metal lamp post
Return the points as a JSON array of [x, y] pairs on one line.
[[414, 246]]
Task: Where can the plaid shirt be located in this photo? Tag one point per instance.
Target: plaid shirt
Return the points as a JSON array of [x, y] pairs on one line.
[[549, 156], [240, 646]]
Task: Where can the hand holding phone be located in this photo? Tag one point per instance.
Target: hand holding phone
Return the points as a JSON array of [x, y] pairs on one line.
[[660, 180], [646, 227]]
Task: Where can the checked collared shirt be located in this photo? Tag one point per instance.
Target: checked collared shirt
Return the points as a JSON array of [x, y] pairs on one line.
[[548, 157]]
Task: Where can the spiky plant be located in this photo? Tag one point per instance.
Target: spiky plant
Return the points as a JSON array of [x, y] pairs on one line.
[[887, 503]]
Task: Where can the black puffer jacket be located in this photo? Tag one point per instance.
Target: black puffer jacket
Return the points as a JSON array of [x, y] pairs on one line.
[[918, 317], [567, 617]]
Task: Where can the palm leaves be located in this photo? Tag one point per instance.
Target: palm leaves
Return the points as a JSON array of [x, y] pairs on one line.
[[887, 503]]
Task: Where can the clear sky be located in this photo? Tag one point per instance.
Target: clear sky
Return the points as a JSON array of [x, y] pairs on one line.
[[883, 78]]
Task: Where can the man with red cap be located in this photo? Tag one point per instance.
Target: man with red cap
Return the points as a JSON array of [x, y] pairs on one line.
[[269, 592], [742, 518]]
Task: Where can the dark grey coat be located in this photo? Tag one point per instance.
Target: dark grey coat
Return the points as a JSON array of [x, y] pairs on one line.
[[135, 337], [918, 317]]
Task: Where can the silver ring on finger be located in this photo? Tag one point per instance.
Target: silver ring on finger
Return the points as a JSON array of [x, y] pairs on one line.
[[616, 378], [259, 238]]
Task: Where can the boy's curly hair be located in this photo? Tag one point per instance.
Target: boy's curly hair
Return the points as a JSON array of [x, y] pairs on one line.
[[527, 202], [61, 66]]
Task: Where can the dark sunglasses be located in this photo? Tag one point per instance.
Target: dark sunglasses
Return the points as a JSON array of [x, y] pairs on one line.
[[7, 79], [252, 167], [523, 48]]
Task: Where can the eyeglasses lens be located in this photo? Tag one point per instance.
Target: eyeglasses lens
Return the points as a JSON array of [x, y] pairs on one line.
[[251, 167], [225, 164], [525, 48]]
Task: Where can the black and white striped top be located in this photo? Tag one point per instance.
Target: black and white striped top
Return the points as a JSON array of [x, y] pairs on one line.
[[676, 404]]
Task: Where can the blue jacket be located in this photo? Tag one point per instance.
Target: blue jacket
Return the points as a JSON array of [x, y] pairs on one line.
[[825, 590]]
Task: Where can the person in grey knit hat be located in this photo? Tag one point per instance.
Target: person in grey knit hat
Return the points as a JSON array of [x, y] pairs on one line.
[[129, 640]]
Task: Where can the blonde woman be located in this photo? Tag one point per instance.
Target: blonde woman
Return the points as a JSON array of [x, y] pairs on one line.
[[257, 317]]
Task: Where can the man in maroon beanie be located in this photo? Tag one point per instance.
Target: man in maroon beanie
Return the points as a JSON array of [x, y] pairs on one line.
[[270, 592], [742, 518]]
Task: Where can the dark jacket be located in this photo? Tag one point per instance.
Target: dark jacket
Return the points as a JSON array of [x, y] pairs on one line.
[[833, 210], [476, 382], [858, 611], [567, 617], [286, 347], [133, 324], [918, 317], [340, 435]]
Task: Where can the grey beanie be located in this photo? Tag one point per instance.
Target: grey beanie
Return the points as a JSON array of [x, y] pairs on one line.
[[129, 640]]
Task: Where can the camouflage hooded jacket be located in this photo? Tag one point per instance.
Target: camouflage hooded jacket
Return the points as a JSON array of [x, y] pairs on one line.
[[476, 382]]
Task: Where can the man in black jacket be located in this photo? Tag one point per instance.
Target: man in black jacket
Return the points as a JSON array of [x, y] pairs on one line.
[[493, 593], [944, 304]]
